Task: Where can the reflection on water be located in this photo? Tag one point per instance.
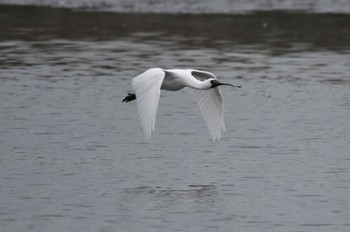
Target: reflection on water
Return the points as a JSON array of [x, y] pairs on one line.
[[73, 157]]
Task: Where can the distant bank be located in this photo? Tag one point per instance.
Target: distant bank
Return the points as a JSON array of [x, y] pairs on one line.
[[195, 7]]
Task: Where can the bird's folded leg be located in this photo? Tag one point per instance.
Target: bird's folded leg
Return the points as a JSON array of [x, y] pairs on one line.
[[130, 97]]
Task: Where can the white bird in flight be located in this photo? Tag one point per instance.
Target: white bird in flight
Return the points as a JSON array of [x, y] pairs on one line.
[[203, 86]]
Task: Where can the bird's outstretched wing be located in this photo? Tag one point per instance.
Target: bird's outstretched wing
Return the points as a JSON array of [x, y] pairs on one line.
[[147, 89], [211, 105]]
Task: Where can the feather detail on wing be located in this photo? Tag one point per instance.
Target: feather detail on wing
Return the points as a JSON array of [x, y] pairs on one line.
[[211, 105], [202, 75], [147, 89]]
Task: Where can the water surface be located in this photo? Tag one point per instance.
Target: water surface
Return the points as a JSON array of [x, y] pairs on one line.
[[74, 158]]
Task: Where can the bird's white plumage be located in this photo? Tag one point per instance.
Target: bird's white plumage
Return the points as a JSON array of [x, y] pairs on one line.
[[147, 87], [211, 104]]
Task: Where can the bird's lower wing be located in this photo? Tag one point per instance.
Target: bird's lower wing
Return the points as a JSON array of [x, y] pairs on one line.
[[147, 89], [211, 105]]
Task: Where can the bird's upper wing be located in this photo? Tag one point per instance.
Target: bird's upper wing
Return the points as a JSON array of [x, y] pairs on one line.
[[147, 89], [211, 105], [202, 75]]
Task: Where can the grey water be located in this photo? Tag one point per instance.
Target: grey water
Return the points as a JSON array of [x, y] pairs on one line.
[[73, 157]]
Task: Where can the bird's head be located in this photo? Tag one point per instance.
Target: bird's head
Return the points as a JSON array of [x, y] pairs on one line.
[[215, 83]]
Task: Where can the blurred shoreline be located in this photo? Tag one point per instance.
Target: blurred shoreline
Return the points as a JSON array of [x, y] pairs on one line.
[[275, 30], [192, 7]]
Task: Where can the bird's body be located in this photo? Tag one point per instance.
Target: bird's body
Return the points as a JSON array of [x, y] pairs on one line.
[[202, 84], [176, 79]]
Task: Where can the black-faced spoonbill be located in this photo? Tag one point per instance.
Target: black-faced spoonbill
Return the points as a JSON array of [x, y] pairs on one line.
[[203, 86]]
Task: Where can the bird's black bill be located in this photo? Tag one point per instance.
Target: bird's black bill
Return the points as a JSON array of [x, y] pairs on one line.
[[237, 86], [215, 83]]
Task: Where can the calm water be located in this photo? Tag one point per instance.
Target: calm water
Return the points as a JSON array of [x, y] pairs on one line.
[[73, 157]]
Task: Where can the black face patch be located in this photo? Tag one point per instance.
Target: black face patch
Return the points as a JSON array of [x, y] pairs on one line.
[[214, 83]]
